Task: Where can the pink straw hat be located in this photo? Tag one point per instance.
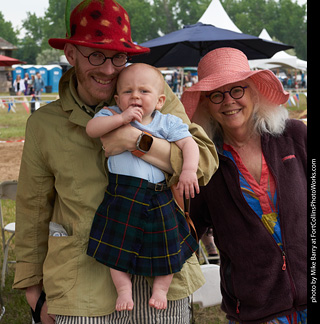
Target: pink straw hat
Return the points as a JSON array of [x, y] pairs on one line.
[[226, 65], [102, 24]]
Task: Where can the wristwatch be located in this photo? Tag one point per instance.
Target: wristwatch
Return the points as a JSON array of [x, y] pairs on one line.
[[143, 144]]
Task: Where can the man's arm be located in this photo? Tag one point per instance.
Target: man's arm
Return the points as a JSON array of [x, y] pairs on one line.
[[125, 137], [164, 155]]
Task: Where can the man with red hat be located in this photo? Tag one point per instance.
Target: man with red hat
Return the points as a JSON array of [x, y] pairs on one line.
[[63, 178]]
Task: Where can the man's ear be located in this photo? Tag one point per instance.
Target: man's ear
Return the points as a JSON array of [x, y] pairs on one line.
[[69, 52], [161, 101]]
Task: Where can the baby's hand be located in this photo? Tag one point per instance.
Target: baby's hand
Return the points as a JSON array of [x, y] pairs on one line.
[[188, 182], [132, 113]]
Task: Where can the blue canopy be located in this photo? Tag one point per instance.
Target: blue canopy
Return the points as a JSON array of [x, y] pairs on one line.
[[185, 47]]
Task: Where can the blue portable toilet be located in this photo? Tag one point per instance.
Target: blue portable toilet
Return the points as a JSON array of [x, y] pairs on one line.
[[17, 70], [42, 69], [54, 75], [30, 69]]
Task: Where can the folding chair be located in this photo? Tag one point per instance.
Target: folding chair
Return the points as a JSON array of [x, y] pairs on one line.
[[206, 258], [8, 190], [209, 294]]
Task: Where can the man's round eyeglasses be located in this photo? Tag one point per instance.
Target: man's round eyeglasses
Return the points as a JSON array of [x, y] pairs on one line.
[[217, 97], [98, 58]]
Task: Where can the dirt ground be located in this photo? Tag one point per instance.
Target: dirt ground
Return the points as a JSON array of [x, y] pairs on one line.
[[10, 157]]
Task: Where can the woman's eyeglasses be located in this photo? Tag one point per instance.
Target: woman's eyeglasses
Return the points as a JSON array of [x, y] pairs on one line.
[[217, 97], [98, 58]]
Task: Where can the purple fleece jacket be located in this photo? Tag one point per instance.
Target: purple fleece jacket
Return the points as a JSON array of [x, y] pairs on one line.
[[255, 285]]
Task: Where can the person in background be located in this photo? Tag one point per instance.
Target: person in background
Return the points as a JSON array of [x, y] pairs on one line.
[[63, 178], [256, 201], [31, 85], [208, 241], [155, 240], [38, 85], [18, 85], [26, 83]]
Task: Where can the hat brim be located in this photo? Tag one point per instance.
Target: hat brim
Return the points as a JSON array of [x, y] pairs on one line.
[[265, 81], [128, 47]]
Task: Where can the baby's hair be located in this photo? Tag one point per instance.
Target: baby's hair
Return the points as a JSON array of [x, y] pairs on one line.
[[161, 79]]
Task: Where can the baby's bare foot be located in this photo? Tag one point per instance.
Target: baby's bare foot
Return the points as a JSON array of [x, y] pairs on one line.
[[158, 299], [124, 302]]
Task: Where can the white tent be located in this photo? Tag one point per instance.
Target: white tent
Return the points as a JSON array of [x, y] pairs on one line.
[[216, 15], [277, 60]]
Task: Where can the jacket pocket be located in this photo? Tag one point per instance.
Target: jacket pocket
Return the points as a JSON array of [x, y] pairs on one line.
[[60, 266]]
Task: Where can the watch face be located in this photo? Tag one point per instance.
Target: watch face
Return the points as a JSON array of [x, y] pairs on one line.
[[145, 142]]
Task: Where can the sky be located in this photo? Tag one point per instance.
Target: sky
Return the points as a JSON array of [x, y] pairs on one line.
[[16, 10]]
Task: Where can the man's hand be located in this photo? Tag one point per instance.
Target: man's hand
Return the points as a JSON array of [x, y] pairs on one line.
[[32, 294], [119, 140]]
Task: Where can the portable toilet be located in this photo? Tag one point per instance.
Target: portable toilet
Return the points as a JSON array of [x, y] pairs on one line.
[[42, 69], [54, 75], [17, 70], [30, 69]]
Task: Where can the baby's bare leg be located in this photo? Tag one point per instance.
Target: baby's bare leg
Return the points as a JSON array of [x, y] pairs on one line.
[[122, 282], [160, 289]]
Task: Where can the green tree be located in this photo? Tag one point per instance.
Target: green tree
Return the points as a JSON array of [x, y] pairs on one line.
[[190, 11], [7, 31], [54, 18], [28, 50], [30, 45], [283, 19], [143, 25], [48, 56]]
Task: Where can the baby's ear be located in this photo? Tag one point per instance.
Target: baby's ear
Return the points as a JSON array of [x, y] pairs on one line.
[[161, 101], [116, 98]]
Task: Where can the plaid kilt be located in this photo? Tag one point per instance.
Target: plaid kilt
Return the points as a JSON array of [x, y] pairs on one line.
[[139, 230]]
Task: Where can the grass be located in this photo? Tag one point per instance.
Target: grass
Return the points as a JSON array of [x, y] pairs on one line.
[[12, 124], [12, 127], [17, 310]]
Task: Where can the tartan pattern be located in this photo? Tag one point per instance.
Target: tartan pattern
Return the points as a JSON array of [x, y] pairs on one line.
[[139, 230]]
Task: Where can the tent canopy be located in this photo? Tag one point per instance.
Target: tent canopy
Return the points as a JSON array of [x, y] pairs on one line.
[[216, 15], [277, 60]]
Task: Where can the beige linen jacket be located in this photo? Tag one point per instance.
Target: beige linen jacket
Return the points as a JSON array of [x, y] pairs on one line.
[[63, 179]]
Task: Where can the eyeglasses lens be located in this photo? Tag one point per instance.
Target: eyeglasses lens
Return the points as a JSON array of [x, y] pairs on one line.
[[97, 58], [218, 96]]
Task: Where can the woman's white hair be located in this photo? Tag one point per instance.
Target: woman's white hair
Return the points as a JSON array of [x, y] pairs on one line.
[[267, 117]]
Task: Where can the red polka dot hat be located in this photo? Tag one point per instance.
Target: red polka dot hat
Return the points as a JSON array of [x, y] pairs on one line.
[[102, 24]]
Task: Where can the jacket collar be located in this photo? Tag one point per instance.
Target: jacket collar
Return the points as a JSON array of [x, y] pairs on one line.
[[80, 113]]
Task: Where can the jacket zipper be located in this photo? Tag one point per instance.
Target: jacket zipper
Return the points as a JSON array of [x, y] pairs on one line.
[[284, 266], [238, 305]]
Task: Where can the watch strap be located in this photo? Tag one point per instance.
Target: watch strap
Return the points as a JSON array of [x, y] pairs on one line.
[[138, 153], [36, 313]]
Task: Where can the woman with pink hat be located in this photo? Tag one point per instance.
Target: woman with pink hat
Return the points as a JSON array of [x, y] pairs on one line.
[[256, 201]]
